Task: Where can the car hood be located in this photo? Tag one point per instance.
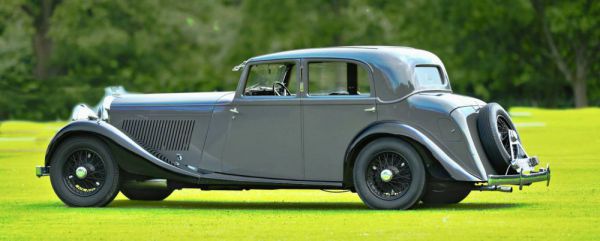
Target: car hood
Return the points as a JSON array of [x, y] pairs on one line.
[[175, 99], [442, 101]]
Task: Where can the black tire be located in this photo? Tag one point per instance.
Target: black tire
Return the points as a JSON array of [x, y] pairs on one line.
[[407, 184], [446, 192], [101, 182], [491, 124], [146, 194]]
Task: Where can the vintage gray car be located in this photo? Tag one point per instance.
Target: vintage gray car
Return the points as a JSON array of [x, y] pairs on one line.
[[379, 121]]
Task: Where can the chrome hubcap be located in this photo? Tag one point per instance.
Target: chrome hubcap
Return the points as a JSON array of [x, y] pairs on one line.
[[389, 177], [386, 175], [81, 172], [84, 172]]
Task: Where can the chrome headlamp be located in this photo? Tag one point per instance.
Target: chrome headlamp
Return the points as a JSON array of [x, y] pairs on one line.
[[104, 107], [83, 112]]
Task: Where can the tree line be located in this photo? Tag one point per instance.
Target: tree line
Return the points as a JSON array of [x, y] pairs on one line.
[[56, 53]]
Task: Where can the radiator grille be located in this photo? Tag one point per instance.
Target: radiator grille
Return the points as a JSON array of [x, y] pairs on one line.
[[160, 135]]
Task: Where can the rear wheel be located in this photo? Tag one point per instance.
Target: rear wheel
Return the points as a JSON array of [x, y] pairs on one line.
[[446, 192], [389, 174], [83, 173]]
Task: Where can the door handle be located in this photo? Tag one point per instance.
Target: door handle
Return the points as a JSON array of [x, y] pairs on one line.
[[372, 109], [234, 110]]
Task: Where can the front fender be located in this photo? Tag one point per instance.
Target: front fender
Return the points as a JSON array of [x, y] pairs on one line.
[[456, 171], [108, 132]]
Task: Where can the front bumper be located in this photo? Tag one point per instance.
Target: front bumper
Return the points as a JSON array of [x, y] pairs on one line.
[[521, 179], [42, 171]]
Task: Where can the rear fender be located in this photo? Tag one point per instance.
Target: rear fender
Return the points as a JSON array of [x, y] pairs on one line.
[[454, 169]]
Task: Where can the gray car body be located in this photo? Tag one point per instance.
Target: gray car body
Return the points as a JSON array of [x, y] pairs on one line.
[[226, 138]]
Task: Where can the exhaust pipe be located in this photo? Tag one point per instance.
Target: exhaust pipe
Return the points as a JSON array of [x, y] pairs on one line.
[[496, 188]]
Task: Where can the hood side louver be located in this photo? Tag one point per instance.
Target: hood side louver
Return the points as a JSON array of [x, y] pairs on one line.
[[157, 136]]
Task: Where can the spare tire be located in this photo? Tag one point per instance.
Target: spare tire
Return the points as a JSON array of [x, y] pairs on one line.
[[493, 124]]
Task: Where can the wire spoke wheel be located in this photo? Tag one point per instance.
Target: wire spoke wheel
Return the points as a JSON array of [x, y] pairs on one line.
[[84, 172], [503, 128], [388, 175]]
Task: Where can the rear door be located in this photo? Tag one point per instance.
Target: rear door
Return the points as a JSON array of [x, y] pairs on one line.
[[338, 103]]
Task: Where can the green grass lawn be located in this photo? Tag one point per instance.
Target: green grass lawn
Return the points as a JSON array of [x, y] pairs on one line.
[[567, 210]]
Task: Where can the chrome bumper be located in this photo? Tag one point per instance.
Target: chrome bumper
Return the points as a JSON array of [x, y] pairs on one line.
[[521, 179], [42, 171]]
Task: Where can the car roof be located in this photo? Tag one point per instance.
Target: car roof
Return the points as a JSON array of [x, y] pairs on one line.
[[393, 65], [362, 53]]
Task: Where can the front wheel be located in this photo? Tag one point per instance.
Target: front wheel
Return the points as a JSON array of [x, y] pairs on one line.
[[83, 173], [389, 174]]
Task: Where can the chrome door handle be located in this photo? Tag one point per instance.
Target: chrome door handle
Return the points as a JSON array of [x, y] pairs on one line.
[[234, 110], [372, 109]]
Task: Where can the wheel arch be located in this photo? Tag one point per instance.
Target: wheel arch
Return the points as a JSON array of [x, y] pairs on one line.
[[59, 139], [437, 163]]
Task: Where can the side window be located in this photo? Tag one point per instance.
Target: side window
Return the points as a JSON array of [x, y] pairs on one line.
[[338, 78], [272, 79], [429, 76]]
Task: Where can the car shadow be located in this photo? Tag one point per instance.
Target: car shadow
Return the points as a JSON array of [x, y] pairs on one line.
[[233, 205], [470, 206]]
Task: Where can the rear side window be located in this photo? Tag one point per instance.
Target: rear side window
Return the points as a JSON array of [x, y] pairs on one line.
[[338, 78], [429, 76]]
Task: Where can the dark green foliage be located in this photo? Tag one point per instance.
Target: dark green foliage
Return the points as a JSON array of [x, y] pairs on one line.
[[494, 50]]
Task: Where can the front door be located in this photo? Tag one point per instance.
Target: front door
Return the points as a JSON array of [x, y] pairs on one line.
[[264, 136], [338, 104]]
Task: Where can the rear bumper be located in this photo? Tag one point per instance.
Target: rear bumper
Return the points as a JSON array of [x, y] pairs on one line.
[[543, 174]]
